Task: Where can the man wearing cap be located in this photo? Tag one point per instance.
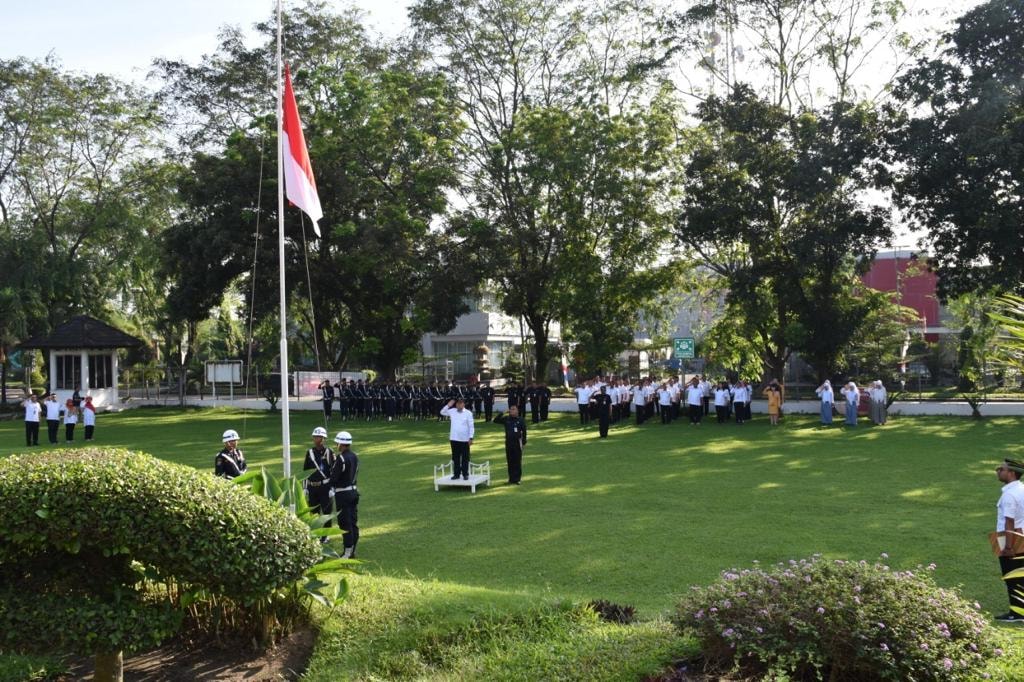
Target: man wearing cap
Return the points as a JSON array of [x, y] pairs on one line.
[[460, 435], [603, 406], [320, 459], [229, 462], [487, 395], [1010, 518], [346, 495]]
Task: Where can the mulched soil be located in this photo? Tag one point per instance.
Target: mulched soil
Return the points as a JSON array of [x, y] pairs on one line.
[[175, 663]]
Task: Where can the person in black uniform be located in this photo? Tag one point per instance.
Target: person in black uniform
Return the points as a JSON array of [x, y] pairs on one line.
[[603, 406], [515, 441], [346, 496], [487, 395], [230, 461], [545, 402], [320, 458], [513, 395], [328, 397], [533, 395]]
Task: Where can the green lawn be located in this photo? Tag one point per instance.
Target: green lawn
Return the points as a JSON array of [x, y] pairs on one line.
[[640, 517]]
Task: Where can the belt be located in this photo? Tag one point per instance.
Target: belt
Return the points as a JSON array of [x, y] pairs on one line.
[[341, 490], [315, 484]]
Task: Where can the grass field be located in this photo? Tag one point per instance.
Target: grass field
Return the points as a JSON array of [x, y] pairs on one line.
[[641, 516]]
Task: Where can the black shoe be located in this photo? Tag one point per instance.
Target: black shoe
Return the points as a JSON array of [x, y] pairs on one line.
[[465, 478], [455, 477], [1010, 617]]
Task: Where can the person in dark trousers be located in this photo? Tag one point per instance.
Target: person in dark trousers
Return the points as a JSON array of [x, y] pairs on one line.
[[327, 397], [320, 459], [460, 436], [230, 461], [70, 421], [603, 408], [32, 412], [89, 417], [52, 417], [487, 395], [545, 402], [346, 495], [515, 442], [1010, 520], [533, 395]]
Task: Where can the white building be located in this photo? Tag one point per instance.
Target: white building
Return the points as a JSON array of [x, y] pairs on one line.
[[484, 324], [82, 356]]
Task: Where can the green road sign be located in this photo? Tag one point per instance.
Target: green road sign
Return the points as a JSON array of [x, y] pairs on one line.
[[683, 348]]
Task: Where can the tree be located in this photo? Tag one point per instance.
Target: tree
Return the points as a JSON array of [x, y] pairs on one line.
[[977, 355], [957, 152], [558, 190], [774, 206], [381, 130], [82, 195], [879, 347]]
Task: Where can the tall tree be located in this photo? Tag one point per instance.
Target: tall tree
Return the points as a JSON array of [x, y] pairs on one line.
[[774, 205], [381, 130], [958, 152], [557, 125], [83, 192]]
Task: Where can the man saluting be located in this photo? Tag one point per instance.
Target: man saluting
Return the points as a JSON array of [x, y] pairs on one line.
[[515, 441]]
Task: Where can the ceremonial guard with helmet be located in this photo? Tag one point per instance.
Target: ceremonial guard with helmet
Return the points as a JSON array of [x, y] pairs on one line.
[[230, 461], [346, 495], [320, 459]]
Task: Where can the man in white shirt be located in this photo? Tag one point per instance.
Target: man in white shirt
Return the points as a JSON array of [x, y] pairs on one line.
[[740, 396], [460, 435], [32, 410], [665, 403], [583, 394], [705, 387], [52, 417], [640, 402], [1010, 518], [695, 400], [676, 390]]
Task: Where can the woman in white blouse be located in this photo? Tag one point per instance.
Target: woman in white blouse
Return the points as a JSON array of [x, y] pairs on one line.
[[852, 395], [879, 397], [828, 398]]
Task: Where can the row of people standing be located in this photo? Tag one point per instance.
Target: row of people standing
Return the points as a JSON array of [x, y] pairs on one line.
[[70, 413], [876, 395], [368, 401]]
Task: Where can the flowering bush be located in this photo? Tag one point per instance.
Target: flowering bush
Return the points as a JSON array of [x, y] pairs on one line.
[[837, 620]]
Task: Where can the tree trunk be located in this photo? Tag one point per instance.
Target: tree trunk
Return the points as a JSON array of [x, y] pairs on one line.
[[541, 352], [110, 667], [3, 381]]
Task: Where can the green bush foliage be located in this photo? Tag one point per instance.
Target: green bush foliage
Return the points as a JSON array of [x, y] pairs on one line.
[[84, 532], [837, 620]]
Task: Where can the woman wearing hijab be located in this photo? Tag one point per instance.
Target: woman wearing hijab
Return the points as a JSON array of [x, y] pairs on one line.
[[852, 395], [879, 411], [828, 398], [70, 419]]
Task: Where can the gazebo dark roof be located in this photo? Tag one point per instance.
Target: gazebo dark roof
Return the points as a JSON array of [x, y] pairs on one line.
[[83, 331]]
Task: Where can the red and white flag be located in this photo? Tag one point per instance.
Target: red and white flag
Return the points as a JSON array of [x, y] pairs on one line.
[[300, 186]]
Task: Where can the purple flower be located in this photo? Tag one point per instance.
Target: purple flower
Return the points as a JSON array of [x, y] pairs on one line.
[[997, 652], [883, 646], [807, 578], [699, 615], [821, 609], [924, 646], [728, 632], [947, 664], [758, 629], [881, 626]]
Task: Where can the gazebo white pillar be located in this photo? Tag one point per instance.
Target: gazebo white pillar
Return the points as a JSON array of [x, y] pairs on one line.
[[83, 384], [115, 397], [53, 371]]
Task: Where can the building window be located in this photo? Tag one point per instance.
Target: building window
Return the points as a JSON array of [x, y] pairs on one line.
[[101, 371], [69, 372]]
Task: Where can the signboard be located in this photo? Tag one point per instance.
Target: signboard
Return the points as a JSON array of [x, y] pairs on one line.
[[228, 372], [683, 348]]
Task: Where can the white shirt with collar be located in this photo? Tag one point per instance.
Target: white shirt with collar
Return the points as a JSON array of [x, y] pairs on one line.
[[32, 411], [462, 429], [827, 395], [664, 396], [694, 395], [52, 410], [583, 394], [740, 394], [1011, 503], [721, 397], [639, 395]]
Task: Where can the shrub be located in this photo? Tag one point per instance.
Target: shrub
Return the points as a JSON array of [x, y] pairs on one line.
[[610, 612], [837, 620], [82, 531]]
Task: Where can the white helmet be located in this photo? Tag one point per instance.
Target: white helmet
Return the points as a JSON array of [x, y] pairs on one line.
[[343, 438], [230, 434], [320, 431]]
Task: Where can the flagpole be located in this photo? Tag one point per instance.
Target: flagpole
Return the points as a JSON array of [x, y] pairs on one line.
[[285, 425]]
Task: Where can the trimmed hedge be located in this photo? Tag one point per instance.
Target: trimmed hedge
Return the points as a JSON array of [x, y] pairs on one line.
[[81, 530]]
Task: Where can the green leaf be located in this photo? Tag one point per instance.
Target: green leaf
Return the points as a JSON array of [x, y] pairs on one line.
[[43, 513]]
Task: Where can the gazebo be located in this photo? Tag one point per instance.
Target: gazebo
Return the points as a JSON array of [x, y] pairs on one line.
[[83, 356]]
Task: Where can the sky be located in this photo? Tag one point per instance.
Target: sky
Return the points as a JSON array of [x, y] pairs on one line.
[[122, 37]]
